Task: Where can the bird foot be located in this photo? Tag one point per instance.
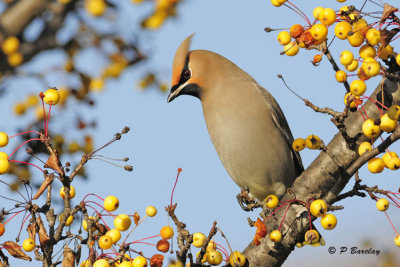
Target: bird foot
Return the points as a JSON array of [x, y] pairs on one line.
[[246, 201]]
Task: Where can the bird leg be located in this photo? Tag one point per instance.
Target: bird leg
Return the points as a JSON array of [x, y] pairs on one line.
[[246, 201]]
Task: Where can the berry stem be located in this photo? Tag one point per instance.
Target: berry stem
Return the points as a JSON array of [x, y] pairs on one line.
[[176, 181], [284, 216], [100, 207], [395, 202], [27, 141], [100, 215], [13, 216], [47, 123], [397, 233], [276, 210], [23, 133], [223, 250], [92, 194], [23, 162], [299, 12], [150, 244], [139, 240], [44, 117], [362, 114], [135, 227]]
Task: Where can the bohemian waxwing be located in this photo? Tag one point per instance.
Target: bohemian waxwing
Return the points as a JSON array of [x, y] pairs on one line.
[[245, 123]]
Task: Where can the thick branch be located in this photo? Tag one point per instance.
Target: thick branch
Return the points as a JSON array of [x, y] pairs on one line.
[[323, 176]]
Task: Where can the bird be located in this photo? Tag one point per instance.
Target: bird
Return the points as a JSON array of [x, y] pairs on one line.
[[247, 126]]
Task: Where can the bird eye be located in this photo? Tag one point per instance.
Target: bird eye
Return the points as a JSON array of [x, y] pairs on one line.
[[187, 74]]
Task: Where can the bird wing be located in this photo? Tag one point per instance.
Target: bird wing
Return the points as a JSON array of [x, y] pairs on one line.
[[283, 126]]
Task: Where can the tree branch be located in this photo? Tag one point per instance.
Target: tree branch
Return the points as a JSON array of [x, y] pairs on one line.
[[323, 176]]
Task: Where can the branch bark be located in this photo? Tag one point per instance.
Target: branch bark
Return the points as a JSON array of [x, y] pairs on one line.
[[325, 177]]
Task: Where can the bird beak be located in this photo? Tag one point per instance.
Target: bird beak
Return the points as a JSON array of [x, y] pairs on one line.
[[174, 93], [172, 96]]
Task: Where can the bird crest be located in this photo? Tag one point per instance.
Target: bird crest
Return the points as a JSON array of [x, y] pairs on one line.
[[180, 60]]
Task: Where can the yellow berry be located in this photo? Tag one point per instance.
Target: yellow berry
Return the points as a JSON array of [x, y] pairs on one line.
[[327, 16], [95, 7], [71, 192], [313, 142], [198, 239], [318, 207], [151, 211], [73, 147], [387, 156], [101, 263], [51, 96], [4, 166], [284, 37], [277, 3], [352, 66], [32, 100], [382, 204], [341, 76], [15, 59], [328, 221], [319, 32], [358, 87], [214, 257], [105, 242], [167, 232], [299, 144], [367, 51], [237, 259], [69, 221], [388, 125], [342, 29], [311, 237], [385, 52], [139, 261], [393, 163], [371, 67], [271, 201], [96, 84], [28, 244], [10, 45], [155, 21], [376, 165], [394, 112], [317, 11], [114, 234], [398, 59], [85, 224], [356, 39], [111, 203], [360, 25], [346, 57], [275, 236], [3, 139], [291, 49], [397, 240], [122, 222], [364, 147], [373, 36], [370, 129]]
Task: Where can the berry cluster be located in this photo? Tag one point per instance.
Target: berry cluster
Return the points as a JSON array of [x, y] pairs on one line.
[[373, 40]]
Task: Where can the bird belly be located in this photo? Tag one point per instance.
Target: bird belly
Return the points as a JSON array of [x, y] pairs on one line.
[[252, 150]]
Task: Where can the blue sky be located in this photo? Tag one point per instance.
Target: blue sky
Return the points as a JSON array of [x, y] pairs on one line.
[[165, 136]]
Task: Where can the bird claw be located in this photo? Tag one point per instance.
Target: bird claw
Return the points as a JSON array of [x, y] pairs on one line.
[[246, 201]]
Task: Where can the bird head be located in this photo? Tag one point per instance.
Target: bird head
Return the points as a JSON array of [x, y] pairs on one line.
[[183, 81]]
